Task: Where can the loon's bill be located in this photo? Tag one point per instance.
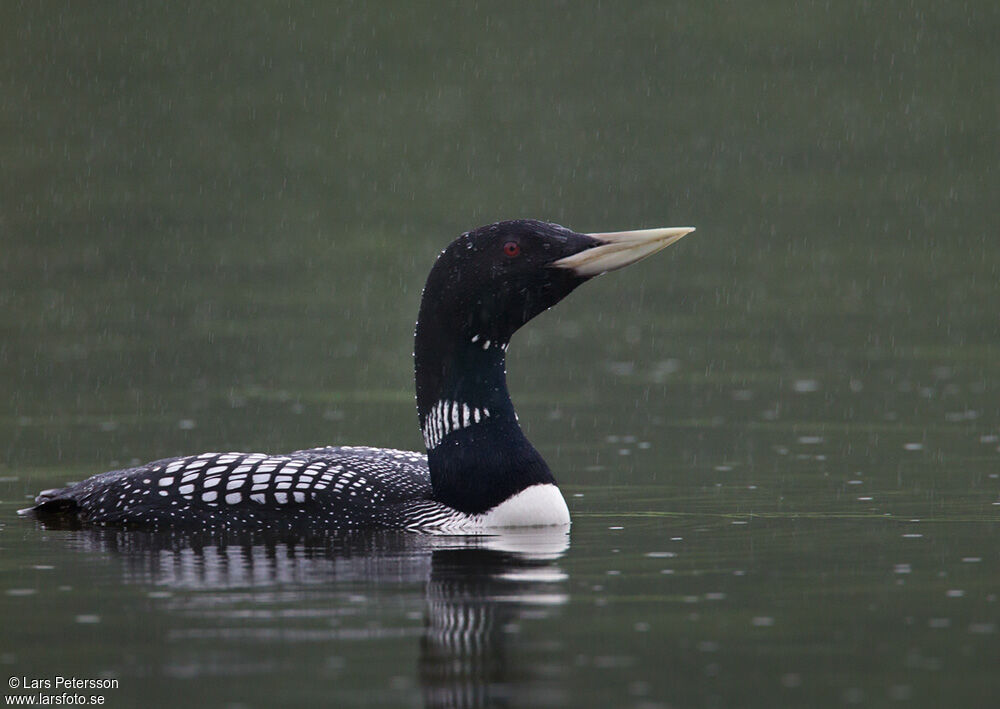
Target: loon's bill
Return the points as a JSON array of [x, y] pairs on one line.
[[621, 248], [478, 471]]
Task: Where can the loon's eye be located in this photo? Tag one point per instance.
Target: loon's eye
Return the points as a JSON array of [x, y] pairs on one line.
[[512, 249]]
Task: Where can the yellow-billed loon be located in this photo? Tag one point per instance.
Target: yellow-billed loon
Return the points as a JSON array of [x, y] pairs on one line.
[[479, 472]]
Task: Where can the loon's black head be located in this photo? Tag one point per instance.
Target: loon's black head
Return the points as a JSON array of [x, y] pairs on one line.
[[490, 281], [484, 286]]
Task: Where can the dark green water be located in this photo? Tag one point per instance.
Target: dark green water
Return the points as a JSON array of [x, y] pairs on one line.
[[779, 440]]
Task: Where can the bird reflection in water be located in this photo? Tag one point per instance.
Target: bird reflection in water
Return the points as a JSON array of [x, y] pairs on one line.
[[479, 592], [476, 597]]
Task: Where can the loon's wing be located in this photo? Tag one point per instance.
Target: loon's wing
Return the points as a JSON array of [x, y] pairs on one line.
[[319, 488]]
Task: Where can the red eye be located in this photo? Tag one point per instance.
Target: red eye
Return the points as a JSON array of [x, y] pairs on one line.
[[512, 249]]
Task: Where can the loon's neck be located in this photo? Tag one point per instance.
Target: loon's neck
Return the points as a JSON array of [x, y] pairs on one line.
[[477, 454]]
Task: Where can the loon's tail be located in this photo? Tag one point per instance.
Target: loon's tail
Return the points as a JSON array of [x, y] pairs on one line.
[[57, 500]]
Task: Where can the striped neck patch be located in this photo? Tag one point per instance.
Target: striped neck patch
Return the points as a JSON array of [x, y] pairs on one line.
[[448, 416]]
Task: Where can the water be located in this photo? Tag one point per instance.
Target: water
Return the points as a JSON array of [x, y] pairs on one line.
[[779, 440]]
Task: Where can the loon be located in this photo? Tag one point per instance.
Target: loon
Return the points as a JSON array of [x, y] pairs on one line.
[[479, 472]]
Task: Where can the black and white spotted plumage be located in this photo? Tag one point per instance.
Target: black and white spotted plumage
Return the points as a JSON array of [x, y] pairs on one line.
[[315, 489]]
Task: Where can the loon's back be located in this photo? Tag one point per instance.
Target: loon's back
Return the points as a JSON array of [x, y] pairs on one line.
[[319, 488]]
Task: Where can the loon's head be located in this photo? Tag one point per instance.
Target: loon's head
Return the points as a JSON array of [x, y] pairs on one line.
[[490, 281], [483, 287]]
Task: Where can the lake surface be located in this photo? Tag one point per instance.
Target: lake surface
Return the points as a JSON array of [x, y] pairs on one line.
[[779, 440]]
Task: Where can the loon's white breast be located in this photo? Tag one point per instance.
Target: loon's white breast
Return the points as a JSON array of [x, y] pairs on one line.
[[536, 506]]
